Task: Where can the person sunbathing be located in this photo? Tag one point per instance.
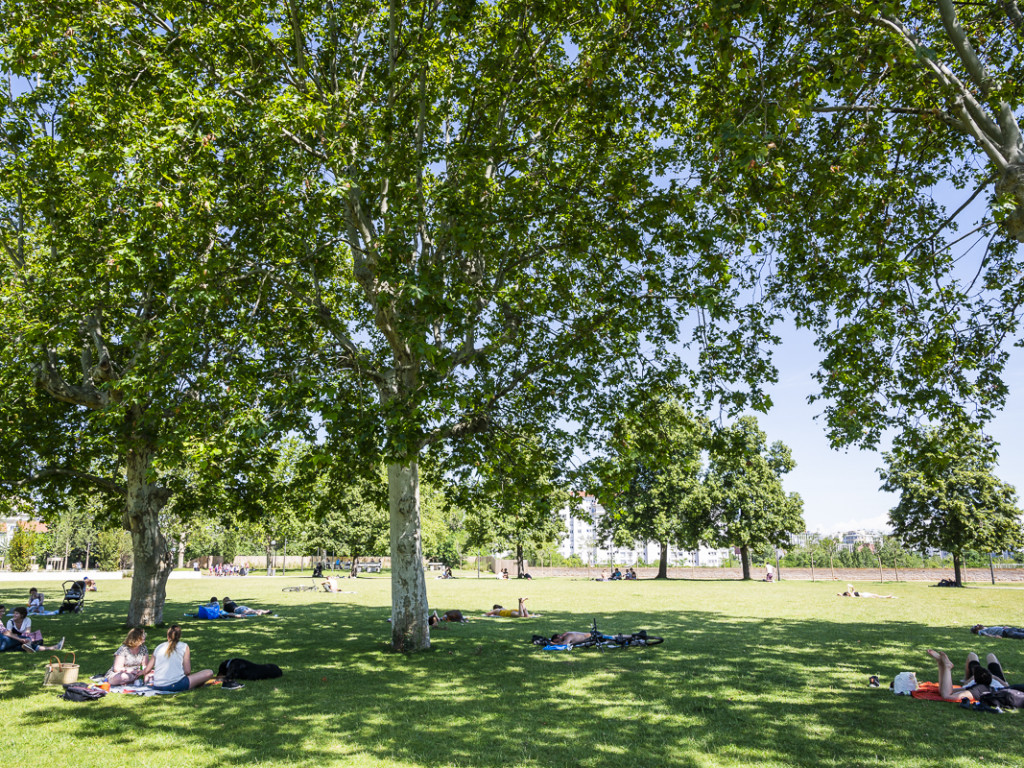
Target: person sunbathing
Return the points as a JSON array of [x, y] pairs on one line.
[[977, 679], [1013, 633], [330, 584], [570, 638], [232, 608], [453, 616], [522, 613], [851, 592]]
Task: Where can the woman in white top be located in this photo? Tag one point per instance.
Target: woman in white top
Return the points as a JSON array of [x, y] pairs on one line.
[[170, 666], [19, 630]]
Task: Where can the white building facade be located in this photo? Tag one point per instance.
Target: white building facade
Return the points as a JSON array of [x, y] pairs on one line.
[[584, 540]]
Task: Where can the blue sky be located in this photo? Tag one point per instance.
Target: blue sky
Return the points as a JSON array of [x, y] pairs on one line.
[[840, 488]]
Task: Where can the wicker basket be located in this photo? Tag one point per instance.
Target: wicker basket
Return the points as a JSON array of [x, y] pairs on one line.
[[61, 672]]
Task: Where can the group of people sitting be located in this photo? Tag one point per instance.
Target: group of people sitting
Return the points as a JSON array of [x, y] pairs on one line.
[[617, 575], [168, 668], [18, 634], [226, 569]]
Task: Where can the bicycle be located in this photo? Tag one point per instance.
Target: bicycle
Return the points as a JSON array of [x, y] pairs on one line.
[[305, 588]]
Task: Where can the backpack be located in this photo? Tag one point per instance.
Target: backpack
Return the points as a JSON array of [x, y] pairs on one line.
[[1006, 698], [208, 612], [82, 692]]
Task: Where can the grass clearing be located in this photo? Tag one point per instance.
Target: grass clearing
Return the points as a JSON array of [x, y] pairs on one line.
[[750, 674]]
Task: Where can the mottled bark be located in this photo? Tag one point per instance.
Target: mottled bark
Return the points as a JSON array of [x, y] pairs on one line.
[[153, 560], [1012, 185], [409, 629], [663, 561], [520, 565]]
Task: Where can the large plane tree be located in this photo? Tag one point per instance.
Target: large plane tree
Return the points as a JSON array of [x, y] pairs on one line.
[[466, 213], [122, 358]]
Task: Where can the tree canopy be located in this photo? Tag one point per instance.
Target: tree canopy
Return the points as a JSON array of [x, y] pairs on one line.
[[949, 497], [748, 505], [651, 479], [876, 148]]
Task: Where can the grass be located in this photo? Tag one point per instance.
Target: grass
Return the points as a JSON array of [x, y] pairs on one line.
[[751, 674]]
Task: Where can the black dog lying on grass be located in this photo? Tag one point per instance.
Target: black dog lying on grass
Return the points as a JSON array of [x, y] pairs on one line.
[[242, 669]]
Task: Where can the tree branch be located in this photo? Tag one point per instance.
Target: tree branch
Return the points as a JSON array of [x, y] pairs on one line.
[[74, 474], [963, 47]]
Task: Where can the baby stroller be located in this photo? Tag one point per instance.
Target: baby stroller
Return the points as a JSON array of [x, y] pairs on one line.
[[74, 597]]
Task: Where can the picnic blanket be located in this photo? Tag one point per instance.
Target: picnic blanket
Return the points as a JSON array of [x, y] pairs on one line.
[[930, 692], [146, 690], [141, 690], [44, 613]]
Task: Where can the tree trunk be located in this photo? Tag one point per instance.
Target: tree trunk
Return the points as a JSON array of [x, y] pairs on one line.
[[956, 571], [354, 571], [520, 569], [663, 561], [67, 555], [181, 550], [831, 567], [152, 560], [88, 553], [409, 629], [745, 561]]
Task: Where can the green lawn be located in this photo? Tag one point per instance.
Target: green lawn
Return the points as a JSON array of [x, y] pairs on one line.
[[749, 675]]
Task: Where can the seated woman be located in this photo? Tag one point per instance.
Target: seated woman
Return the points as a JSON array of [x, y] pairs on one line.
[[170, 666], [129, 659], [19, 634], [851, 592], [232, 608], [35, 602], [330, 584], [90, 585], [977, 679], [522, 613]]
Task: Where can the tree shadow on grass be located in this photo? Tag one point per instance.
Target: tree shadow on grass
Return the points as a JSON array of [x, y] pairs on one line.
[[720, 690]]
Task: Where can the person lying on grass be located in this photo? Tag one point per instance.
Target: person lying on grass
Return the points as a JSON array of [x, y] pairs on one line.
[[453, 616], [977, 679], [570, 638], [170, 666], [19, 634], [851, 592], [232, 608], [330, 584], [1014, 633], [522, 613], [129, 659]]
